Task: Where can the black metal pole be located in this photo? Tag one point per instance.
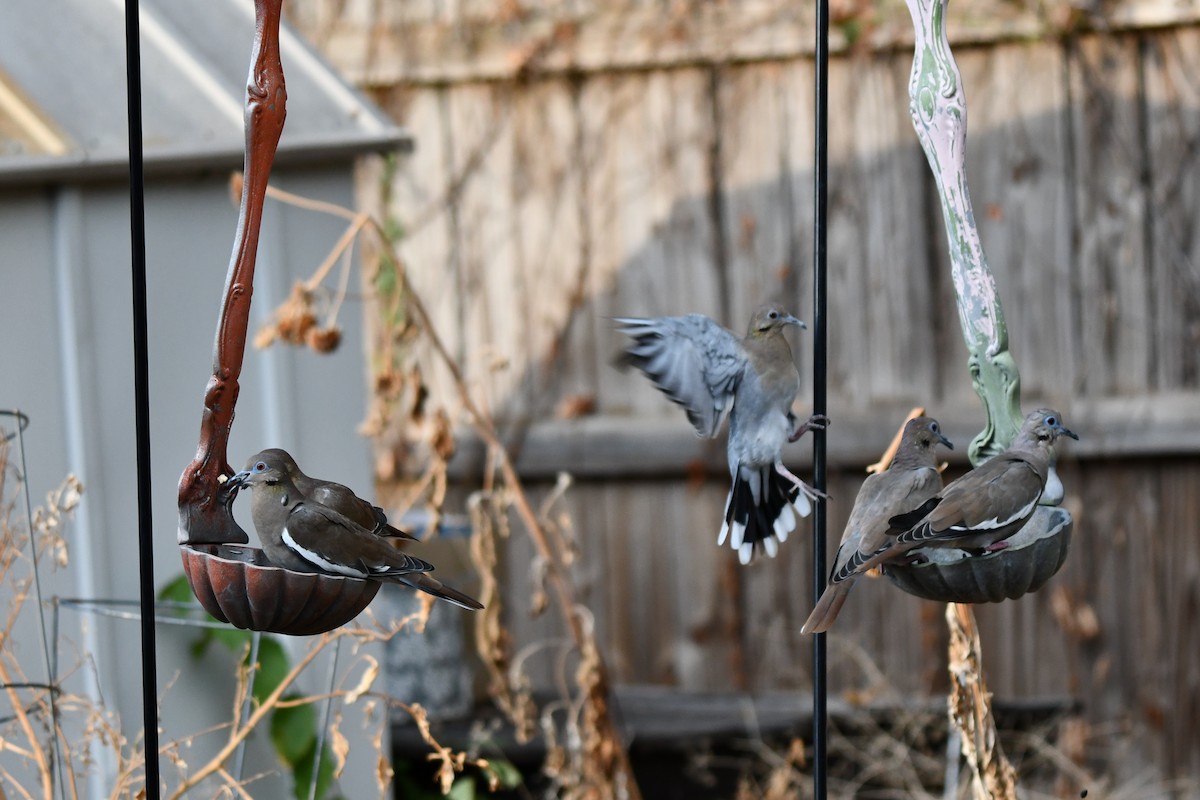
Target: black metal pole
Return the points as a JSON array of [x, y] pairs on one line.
[[141, 391], [820, 372]]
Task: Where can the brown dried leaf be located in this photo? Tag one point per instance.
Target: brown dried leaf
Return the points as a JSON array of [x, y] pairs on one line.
[[574, 406], [365, 682], [324, 340], [340, 746]]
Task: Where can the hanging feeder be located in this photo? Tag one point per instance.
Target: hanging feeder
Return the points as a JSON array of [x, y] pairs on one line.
[[238, 585], [1033, 555], [235, 583], [938, 108]]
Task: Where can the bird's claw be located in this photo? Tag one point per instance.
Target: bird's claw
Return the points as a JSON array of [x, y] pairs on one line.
[[817, 422], [813, 494]]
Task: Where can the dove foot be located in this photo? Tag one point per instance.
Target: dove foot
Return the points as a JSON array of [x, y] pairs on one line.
[[817, 422], [804, 488]]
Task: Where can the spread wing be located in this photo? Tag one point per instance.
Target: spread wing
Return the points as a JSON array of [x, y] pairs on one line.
[[692, 360]]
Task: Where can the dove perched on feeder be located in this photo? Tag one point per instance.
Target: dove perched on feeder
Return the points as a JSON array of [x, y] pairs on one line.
[[713, 374], [303, 535], [983, 507], [912, 479], [334, 495]]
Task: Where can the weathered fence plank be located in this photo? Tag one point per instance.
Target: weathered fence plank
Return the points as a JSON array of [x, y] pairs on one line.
[[1018, 166], [1171, 61], [1110, 201]]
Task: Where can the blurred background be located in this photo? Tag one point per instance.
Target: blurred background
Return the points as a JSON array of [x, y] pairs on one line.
[[575, 161]]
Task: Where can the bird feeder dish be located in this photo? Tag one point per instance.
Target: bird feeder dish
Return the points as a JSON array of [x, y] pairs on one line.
[[1034, 554], [240, 586]]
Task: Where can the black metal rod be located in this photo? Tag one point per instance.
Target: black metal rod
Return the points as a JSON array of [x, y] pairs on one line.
[[820, 374], [141, 392]]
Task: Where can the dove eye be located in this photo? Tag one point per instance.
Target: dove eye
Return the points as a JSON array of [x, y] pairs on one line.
[[1052, 421], [773, 315], [260, 466], [933, 426]]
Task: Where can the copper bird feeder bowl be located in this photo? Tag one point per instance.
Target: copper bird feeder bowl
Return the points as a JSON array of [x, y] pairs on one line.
[[1034, 554], [235, 583], [238, 585]]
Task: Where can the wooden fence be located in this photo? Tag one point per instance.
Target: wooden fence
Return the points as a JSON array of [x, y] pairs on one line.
[[659, 163]]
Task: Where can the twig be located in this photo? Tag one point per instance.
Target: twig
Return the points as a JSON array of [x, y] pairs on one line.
[[993, 778], [216, 763], [552, 558]]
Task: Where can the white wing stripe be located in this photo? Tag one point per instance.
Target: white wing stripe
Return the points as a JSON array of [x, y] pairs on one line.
[[315, 558], [994, 522]]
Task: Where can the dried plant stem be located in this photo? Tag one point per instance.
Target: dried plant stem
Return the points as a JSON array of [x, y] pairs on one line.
[[216, 764], [993, 778], [556, 572], [342, 246], [300, 201], [487, 431], [36, 751]]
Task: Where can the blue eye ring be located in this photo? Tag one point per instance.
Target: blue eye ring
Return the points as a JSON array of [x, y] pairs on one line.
[[261, 466]]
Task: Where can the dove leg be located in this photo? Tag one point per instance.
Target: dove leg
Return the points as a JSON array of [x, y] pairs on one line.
[[804, 488], [817, 422]]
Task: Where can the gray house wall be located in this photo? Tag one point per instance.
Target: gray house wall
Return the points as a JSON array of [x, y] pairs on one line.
[[66, 360]]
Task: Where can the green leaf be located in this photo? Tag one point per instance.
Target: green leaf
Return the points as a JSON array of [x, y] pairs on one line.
[[506, 774], [303, 769], [462, 789], [233, 638], [294, 733], [273, 667], [393, 229], [177, 590], [385, 278]]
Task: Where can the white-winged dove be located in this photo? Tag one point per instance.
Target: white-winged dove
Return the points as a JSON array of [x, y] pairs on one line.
[[336, 496], [303, 535], [912, 479], [983, 507], [713, 374]]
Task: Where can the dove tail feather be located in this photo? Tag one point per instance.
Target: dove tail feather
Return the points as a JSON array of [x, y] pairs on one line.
[[828, 607], [759, 507], [431, 585], [393, 535]]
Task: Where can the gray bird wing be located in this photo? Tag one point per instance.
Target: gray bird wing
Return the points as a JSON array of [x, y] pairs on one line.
[[990, 497], [692, 360], [343, 500], [882, 496], [336, 544]]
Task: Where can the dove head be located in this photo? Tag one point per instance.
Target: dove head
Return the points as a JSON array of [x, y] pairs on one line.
[[920, 439], [768, 319], [1043, 427], [266, 471], [280, 458], [925, 433]]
